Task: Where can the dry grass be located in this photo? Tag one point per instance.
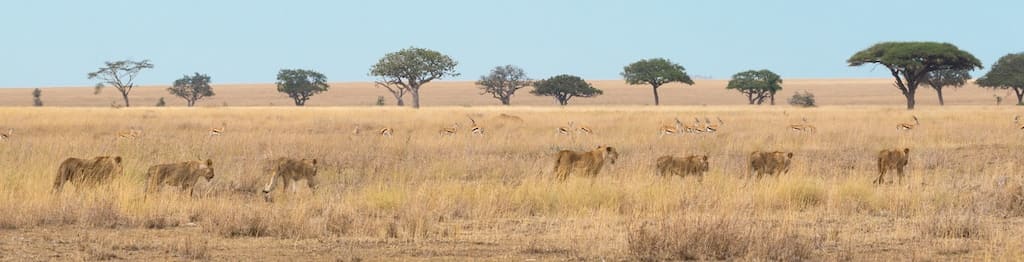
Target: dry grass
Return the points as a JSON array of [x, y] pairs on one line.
[[492, 196]]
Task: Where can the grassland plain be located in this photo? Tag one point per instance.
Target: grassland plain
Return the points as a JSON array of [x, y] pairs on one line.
[[418, 195]]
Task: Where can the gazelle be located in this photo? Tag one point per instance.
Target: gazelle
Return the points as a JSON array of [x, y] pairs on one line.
[[711, 128], [670, 129], [6, 136], [697, 127], [805, 127], [585, 130], [131, 133], [475, 129], [449, 131], [386, 132], [908, 126], [357, 130], [1016, 121], [565, 130], [216, 131]]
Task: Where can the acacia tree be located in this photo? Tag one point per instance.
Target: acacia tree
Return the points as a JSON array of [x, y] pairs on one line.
[[910, 62], [408, 69], [301, 84], [503, 82], [564, 87], [757, 85], [121, 75], [37, 99], [192, 88], [942, 78], [1007, 73], [655, 72]]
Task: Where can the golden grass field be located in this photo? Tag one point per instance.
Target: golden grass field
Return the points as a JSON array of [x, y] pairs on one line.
[[419, 196]]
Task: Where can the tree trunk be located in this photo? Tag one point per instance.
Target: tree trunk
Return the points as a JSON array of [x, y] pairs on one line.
[[772, 98], [750, 98], [191, 103], [415, 97], [125, 96], [399, 101], [656, 99], [942, 102], [910, 100], [1019, 91], [505, 100]]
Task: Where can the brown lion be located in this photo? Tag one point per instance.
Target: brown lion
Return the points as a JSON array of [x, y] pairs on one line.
[[184, 175], [695, 165], [770, 163], [290, 170], [892, 159], [87, 171], [589, 163]]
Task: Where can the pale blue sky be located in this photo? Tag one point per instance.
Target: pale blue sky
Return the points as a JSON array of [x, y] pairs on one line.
[[56, 42]]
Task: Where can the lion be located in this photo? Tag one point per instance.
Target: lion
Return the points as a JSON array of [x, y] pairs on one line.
[[290, 170], [87, 171], [770, 163], [589, 163], [695, 165], [892, 159], [184, 175]]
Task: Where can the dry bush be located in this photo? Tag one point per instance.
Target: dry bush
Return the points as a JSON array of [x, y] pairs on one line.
[[954, 225], [192, 249], [716, 238]]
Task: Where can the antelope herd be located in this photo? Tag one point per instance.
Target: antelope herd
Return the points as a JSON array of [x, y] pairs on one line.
[[586, 163]]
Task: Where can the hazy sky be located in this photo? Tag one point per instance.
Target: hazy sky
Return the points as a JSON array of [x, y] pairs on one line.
[[55, 43]]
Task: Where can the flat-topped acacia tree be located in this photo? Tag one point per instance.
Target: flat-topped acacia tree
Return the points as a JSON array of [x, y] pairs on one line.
[[910, 62], [121, 75], [1007, 73], [655, 72], [408, 69]]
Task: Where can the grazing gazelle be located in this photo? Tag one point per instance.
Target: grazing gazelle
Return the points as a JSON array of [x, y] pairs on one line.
[[1016, 121], [6, 136], [670, 129], [805, 127], [565, 130], [216, 131], [908, 126], [386, 132], [449, 131], [475, 129], [358, 129]]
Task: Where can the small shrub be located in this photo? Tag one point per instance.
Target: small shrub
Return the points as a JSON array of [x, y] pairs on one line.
[[36, 97], [161, 102], [805, 99], [946, 225], [380, 101], [716, 238]]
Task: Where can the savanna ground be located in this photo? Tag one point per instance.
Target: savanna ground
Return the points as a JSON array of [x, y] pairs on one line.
[[420, 196]]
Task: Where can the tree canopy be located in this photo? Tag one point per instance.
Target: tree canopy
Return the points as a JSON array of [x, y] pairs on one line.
[[910, 62], [192, 88], [408, 69], [655, 72], [301, 84], [1007, 73], [502, 82], [756, 85], [121, 75], [564, 87]]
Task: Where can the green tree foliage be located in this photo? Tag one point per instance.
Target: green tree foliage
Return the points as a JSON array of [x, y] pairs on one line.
[[192, 88], [408, 69], [947, 77], [564, 87], [1007, 73], [301, 84], [805, 99], [910, 62], [655, 72], [37, 99], [121, 75], [502, 82], [757, 85]]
